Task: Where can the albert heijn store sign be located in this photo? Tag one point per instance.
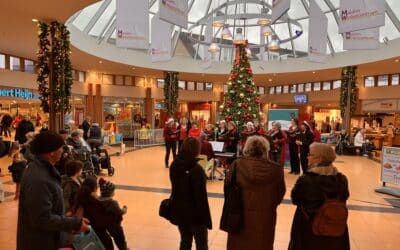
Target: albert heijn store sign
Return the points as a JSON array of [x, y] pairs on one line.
[[18, 93]]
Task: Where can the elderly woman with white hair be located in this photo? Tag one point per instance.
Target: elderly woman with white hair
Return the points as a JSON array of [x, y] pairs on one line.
[[322, 181], [263, 187]]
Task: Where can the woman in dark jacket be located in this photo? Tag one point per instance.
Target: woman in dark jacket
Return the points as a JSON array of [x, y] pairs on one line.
[[263, 187], [305, 139], [101, 221], [293, 134], [190, 210], [320, 181]]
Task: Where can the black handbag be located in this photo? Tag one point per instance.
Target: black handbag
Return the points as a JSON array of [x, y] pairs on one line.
[[165, 208], [232, 213]]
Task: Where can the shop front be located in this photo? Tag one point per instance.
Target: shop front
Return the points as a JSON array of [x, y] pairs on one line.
[[200, 112], [123, 115]]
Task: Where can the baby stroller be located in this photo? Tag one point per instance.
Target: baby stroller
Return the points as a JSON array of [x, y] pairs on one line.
[[84, 156], [103, 160]]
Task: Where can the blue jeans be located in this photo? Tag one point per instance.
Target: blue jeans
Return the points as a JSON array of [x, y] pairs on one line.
[[199, 233]]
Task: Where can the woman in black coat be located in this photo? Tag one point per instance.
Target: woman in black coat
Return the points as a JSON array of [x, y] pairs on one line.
[[304, 140], [322, 180], [190, 210]]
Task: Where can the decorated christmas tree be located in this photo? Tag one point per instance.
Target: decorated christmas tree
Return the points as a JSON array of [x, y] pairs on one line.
[[241, 103]]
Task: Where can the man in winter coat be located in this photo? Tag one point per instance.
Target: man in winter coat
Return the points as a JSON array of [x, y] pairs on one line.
[[41, 208], [23, 128]]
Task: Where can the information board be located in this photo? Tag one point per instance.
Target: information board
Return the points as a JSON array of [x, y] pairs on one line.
[[390, 165]]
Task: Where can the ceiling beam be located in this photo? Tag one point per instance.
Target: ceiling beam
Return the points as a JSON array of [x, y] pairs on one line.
[[96, 16], [392, 16]]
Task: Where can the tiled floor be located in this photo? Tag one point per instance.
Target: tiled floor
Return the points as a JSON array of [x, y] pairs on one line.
[[374, 224]]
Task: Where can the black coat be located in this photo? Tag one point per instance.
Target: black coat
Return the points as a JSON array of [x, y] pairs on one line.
[[23, 128], [70, 191], [17, 169], [41, 209], [308, 193], [307, 138], [6, 121], [189, 195]]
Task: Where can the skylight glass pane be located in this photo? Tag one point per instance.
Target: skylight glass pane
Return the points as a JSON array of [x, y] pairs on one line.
[[103, 20], [322, 5], [389, 30], [395, 6], [198, 10], [336, 3], [301, 43], [296, 9], [333, 31], [86, 14]]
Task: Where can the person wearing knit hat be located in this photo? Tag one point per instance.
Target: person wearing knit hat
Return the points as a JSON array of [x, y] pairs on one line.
[[305, 139], [41, 205], [111, 206]]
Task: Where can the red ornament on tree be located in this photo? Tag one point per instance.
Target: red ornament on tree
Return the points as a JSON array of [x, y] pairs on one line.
[[257, 100]]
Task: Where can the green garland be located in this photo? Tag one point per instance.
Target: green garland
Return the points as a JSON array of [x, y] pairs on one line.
[[171, 92], [348, 78], [54, 44]]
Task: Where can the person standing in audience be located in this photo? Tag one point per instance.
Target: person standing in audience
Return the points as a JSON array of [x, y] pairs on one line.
[[23, 128], [170, 136], [195, 131], [17, 167], [86, 127], [189, 209], [71, 182], [293, 134], [305, 139], [315, 131], [41, 208], [321, 181], [6, 122], [206, 147], [359, 141], [278, 144], [263, 187], [183, 131]]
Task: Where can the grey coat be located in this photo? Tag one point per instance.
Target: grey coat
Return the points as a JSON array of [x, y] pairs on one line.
[[41, 209]]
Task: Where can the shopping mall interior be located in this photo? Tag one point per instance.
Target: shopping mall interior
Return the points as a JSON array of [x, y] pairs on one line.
[[120, 80]]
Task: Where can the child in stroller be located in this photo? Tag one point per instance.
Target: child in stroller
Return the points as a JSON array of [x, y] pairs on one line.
[[103, 160]]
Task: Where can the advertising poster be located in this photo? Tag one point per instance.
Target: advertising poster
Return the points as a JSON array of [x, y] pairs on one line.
[[361, 14], [132, 24], [361, 39], [318, 33], [390, 165], [162, 46], [174, 11], [283, 116], [279, 7]]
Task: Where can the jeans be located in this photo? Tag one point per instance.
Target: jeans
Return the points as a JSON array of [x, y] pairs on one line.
[[169, 146], [199, 233]]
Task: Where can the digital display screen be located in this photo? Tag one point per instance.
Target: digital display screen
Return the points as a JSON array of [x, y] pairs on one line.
[[300, 99]]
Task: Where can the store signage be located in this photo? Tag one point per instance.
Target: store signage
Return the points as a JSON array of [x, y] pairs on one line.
[[160, 47], [361, 14], [361, 39], [318, 30], [390, 165], [132, 24], [174, 12], [18, 93], [279, 7], [300, 99], [389, 105]]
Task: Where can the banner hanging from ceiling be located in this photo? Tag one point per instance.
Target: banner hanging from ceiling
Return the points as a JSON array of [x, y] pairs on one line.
[[132, 24], [361, 39], [161, 44], [318, 34], [174, 11], [207, 59], [279, 8], [361, 14]]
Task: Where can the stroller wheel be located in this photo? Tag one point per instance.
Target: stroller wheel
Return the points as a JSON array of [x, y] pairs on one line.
[[111, 171]]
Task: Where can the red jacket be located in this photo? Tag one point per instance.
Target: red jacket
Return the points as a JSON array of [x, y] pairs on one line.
[[317, 135], [170, 134], [194, 132]]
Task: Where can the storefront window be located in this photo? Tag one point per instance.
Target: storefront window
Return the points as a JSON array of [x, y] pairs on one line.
[[383, 80], [128, 80], [326, 86], [261, 90], [2, 61], [225, 88], [308, 87], [160, 83], [190, 85], [278, 89], [271, 90], [182, 84], [337, 84], [200, 86], [369, 81], [285, 89], [395, 79], [14, 63], [317, 86], [81, 76], [209, 86], [300, 87], [29, 66], [292, 89], [119, 80]]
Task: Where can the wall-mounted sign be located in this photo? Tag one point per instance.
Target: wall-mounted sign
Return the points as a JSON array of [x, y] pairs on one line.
[[388, 105], [300, 99], [18, 93]]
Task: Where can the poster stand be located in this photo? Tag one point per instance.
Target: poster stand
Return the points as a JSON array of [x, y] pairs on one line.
[[390, 171]]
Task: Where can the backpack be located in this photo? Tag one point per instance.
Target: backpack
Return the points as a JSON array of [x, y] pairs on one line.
[[331, 218]]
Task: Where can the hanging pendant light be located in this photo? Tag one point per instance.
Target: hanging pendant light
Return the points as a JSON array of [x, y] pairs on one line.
[[274, 44], [263, 20], [266, 31], [226, 32], [214, 48], [218, 23], [239, 38]]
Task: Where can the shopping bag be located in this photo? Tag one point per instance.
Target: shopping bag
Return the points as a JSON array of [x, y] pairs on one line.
[[87, 241]]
